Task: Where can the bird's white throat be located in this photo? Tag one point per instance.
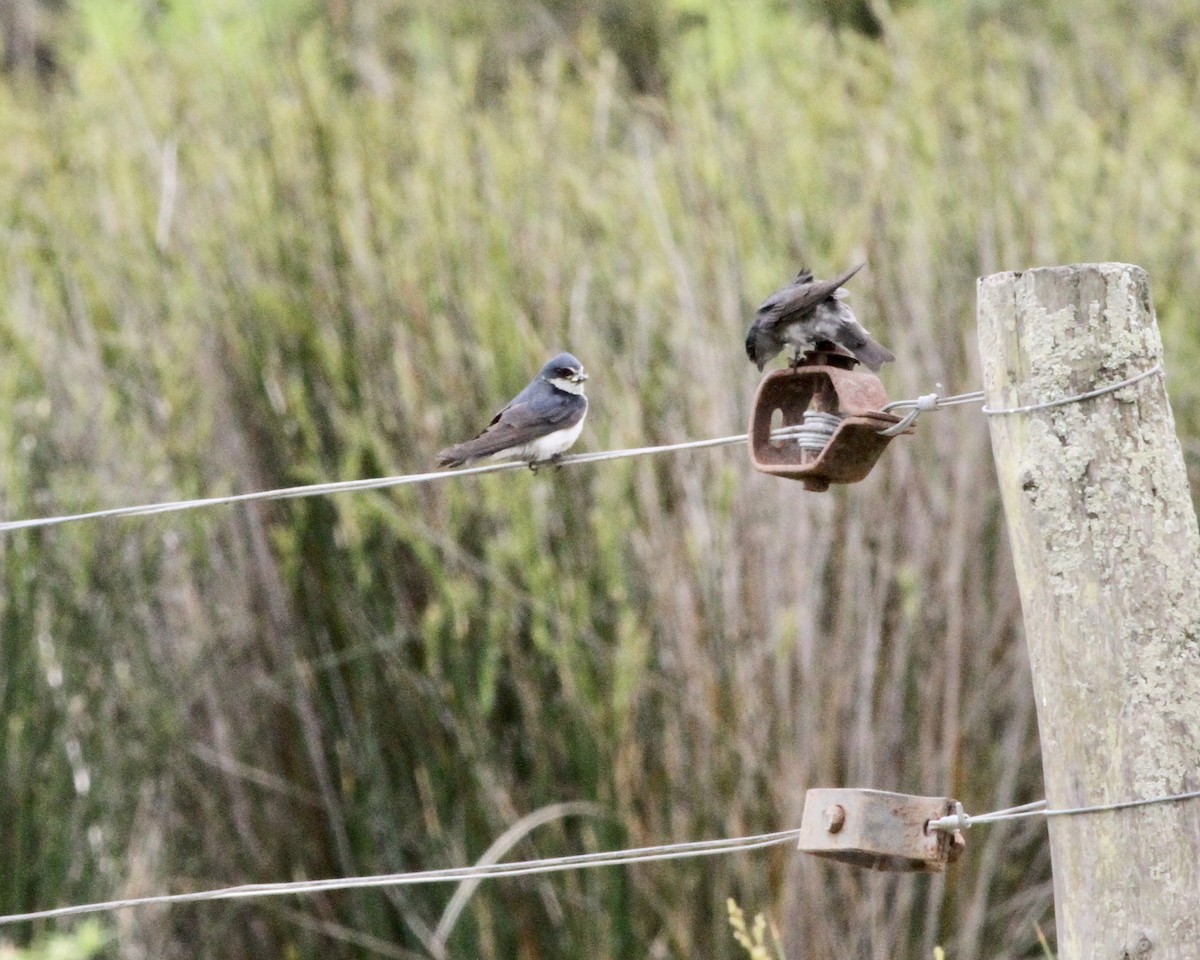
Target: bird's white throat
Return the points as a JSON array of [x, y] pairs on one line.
[[568, 386]]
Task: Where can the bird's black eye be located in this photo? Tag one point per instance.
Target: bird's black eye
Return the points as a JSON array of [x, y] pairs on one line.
[[566, 373]]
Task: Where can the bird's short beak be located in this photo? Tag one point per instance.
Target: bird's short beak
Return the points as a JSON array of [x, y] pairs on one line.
[[579, 377]]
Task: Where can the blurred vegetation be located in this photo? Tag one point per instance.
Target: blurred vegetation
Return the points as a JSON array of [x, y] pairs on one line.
[[249, 248], [753, 939], [87, 939]]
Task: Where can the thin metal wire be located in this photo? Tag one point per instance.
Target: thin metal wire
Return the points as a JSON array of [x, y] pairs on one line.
[[932, 401], [961, 821], [918, 406], [1098, 392], [923, 404], [671, 851], [955, 821], [1025, 809], [959, 398], [814, 434], [347, 486]]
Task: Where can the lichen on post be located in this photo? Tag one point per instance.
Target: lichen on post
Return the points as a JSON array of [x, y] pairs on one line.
[[1107, 556]]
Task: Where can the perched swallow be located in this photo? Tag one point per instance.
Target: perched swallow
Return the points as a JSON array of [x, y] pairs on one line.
[[540, 423], [809, 312]]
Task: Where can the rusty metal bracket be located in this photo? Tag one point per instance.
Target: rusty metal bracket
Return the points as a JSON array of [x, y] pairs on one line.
[[824, 383], [879, 830]]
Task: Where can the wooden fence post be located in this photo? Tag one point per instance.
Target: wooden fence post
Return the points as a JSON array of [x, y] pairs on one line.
[[1107, 556]]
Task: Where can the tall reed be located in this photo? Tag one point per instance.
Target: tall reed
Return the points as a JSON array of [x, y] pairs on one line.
[[230, 266]]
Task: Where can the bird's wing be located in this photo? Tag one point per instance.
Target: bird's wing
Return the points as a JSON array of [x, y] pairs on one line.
[[832, 285], [519, 423], [800, 296]]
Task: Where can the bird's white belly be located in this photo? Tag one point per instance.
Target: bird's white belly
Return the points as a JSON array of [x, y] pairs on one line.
[[543, 448], [800, 335], [552, 444]]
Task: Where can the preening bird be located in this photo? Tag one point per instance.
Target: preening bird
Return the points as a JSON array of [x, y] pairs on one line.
[[539, 424], [807, 313]]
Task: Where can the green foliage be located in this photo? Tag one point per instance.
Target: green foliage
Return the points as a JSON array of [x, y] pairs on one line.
[[753, 939], [248, 249], [86, 940]]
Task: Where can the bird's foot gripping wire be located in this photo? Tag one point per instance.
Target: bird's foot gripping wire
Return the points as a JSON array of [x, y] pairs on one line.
[[554, 461]]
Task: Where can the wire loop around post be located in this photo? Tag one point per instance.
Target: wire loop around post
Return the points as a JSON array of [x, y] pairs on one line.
[[1090, 395]]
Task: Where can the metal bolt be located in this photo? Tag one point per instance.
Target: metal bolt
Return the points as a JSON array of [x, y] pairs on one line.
[[835, 818]]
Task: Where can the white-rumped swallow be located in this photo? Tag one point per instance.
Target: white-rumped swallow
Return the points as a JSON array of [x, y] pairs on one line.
[[807, 313], [540, 423]]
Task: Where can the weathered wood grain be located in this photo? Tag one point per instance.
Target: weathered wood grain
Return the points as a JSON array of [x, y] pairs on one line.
[[1106, 551]]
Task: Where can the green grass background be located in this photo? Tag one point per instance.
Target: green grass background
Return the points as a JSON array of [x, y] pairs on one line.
[[249, 246]]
